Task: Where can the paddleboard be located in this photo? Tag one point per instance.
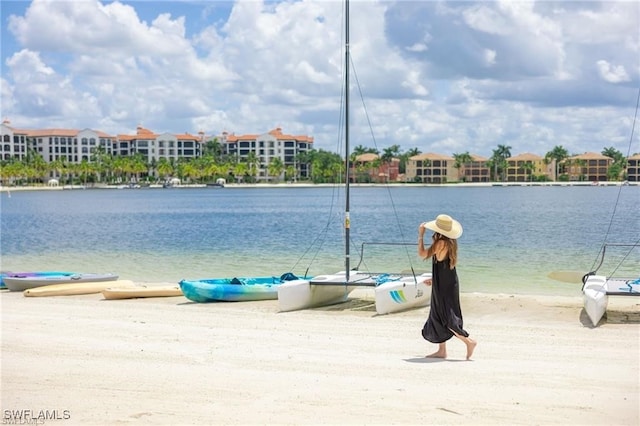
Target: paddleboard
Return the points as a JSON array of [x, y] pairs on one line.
[[134, 292], [74, 288]]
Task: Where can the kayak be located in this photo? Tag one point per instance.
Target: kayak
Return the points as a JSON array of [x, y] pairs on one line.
[[234, 289], [21, 281]]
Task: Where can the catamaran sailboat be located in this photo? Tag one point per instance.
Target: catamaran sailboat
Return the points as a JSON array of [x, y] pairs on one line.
[[393, 292]]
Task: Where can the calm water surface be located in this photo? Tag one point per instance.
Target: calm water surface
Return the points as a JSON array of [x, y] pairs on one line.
[[513, 236]]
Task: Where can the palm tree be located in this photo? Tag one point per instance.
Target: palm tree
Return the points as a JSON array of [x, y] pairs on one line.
[[240, 170], [253, 163], [581, 164], [290, 174], [500, 156], [275, 168], [404, 159], [36, 166], [559, 154], [12, 170], [84, 169], [617, 169], [529, 167], [460, 160], [165, 168], [136, 165], [618, 157], [59, 165], [190, 170], [213, 148], [101, 160], [118, 167], [359, 150], [388, 154]]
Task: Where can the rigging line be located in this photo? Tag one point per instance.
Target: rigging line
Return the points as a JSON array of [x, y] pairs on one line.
[[615, 206], [635, 245], [366, 113]]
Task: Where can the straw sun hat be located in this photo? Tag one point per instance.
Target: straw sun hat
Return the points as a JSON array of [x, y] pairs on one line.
[[445, 225]]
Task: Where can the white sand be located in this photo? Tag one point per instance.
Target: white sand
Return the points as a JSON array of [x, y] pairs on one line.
[[170, 361]]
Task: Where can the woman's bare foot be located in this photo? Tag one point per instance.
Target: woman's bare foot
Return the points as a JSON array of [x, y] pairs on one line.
[[471, 345], [437, 354], [441, 352]]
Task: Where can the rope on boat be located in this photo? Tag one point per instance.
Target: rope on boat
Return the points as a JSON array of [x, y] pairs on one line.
[[615, 206]]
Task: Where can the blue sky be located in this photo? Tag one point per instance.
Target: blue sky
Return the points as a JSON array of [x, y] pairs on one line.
[[445, 77]]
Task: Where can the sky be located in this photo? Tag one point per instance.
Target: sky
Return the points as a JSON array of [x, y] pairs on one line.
[[438, 76]]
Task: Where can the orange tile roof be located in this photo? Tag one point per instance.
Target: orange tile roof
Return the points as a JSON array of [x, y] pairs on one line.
[[52, 132], [590, 156], [277, 132], [367, 157], [65, 133], [431, 156], [526, 156], [188, 137]]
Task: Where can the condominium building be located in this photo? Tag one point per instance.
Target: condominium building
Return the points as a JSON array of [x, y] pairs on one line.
[[267, 147], [375, 170], [431, 168], [153, 146], [589, 166], [526, 167], [476, 170], [69, 145], [633, 168]]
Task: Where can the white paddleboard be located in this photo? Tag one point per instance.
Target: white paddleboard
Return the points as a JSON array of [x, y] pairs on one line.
[[74, 288], [115, 292]]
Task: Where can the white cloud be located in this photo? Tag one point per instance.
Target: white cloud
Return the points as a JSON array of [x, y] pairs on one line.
[[28, 67], [612, 73], [490, 57], [434, 75]]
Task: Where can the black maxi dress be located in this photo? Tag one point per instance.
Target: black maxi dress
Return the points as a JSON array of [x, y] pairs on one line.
[[445, 313]]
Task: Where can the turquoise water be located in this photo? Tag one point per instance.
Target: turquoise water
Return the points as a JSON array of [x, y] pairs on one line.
[[513, 236]]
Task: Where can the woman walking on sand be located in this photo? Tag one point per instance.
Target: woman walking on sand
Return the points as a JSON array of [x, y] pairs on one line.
[[445, 315]]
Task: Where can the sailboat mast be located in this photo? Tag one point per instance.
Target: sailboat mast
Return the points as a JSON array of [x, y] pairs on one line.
[[347, 219]]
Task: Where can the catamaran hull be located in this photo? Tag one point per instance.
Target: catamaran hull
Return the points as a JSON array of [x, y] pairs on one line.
[[403, 294], [598, 288], [302, 294], [595, 298]]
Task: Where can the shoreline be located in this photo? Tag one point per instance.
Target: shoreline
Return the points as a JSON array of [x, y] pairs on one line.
[[170, 361], [322, 185]]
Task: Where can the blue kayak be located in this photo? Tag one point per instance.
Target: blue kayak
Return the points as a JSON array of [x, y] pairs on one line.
[[234, 289]]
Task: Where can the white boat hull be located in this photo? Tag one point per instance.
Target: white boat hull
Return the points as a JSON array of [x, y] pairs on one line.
[[595, 298], [598, 288], [403, 294], [398, 294], [321, 290]]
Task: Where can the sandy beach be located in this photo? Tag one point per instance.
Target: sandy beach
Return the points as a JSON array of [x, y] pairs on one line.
[[86, 360]]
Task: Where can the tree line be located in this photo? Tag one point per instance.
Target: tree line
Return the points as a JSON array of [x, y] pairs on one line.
[[323, 166]]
